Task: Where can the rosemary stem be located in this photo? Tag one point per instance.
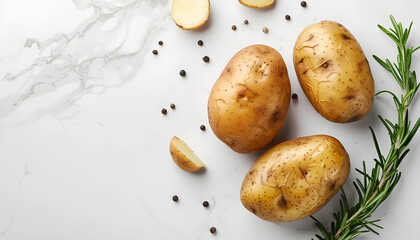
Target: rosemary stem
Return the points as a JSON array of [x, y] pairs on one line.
[[381, 185]]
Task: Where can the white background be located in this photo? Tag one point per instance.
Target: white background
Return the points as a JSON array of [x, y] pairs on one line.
[[103, 171]]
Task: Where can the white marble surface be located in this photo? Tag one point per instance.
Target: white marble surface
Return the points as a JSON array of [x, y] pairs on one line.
[[84, 147]]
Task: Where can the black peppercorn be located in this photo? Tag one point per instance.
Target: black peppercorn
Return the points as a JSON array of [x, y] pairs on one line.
[[213, 230], [303, 4], [294, 96], [172, 106], [160, 43], [246, 21], [265, 29], [175, 198], [155, 52], [233, 27], [182, 73], [203, 128], [205, 204], [164, 111], [206, 59], [287, 17], [200, 43]]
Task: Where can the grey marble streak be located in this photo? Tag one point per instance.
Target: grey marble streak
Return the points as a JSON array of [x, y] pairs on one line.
[[78, 61]]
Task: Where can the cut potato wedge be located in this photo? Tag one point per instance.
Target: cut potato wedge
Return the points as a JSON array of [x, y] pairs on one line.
[[190, 14], [256, 3], [183, 156]]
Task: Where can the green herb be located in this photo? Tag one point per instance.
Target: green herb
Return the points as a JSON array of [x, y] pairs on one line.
[[374, 187]]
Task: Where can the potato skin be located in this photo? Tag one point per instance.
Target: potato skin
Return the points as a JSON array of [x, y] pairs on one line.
[[333, 72], [295, 179], [249, 102]]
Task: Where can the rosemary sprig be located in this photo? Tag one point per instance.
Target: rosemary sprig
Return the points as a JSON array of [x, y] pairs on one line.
[[374, 187]]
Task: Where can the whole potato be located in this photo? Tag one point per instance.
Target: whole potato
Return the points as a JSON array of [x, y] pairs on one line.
[[248, 104], [334, 72], [294, 179]]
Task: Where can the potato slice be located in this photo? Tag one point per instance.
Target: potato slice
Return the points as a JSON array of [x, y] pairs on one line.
[[183, 156], [256, 3], [190, 14]]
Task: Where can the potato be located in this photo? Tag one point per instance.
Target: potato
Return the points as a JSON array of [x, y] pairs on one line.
[[294, 179], [190, 14], [257, 3], [248, 104], [334, 72], [183, 156]]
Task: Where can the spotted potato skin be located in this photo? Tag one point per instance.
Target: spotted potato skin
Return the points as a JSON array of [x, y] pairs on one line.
[[180, 159], [249, 102], [334, 72], [294, 179]]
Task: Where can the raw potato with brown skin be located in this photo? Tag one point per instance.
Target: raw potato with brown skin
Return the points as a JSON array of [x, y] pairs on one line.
[[248, 104], [295, 179], [257, 3], [333, 72]]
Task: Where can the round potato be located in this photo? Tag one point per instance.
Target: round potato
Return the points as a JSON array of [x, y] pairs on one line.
[[249, 102], [334, 72], [294, 179]]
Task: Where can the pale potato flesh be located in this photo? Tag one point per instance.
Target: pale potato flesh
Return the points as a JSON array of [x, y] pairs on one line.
[[249, 102], [190, 14], [257, 3], [294, 179], [183, 156], [334, 72]]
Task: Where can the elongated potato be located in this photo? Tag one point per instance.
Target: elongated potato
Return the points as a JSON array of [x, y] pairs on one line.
[[333, 72], [294, 179], [248, 104]]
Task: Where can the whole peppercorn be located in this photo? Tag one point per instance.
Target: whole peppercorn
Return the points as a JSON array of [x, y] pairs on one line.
[[265, 29], [294, 96], [206, 59], [246, 21], [172, 106], [182, 73], [200, 43], [164, 111], [205, 204], [233, 27], [213, 230], [287, 17], [303, 4], [203, 128], [155, 52], [175, 198], [160, 43]]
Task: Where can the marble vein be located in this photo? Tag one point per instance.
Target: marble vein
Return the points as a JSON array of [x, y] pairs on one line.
[[71, 65]]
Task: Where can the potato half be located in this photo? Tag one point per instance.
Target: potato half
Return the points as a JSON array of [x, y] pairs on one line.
[[190, 14], [333, 72], [248, 104], [257, 3], [294, 179], [183, 156]]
